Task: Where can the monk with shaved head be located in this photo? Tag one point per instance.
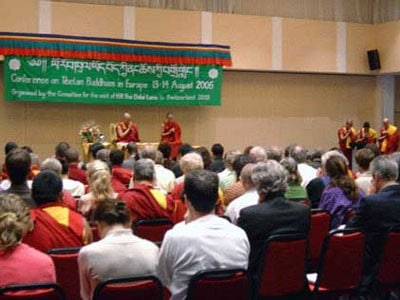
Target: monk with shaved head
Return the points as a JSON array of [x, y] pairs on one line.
[[126, 130], [347, 136], [389, 137]]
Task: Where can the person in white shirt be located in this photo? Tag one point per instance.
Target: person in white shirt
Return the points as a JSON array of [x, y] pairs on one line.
[[165, 179], [118, 254], [307, 173], [203, 241], [74, 187], [363, 158], [250, 197]]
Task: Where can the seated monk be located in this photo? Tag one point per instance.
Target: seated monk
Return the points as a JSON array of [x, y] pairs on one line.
[[119, 174], [389, 138], [74, 171], [127, 131], [55, 225], [143, 200]]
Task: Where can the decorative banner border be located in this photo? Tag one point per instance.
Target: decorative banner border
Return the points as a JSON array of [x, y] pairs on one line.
[[79, 47]]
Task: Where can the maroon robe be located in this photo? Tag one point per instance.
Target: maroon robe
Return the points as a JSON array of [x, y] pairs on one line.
[[49, 233], [76, 173], [142, 201]]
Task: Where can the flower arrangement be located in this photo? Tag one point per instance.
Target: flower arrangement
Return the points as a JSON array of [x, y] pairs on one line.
[[90, 132]]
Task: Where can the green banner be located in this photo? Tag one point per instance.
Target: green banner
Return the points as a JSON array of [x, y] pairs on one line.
[[47, 79]]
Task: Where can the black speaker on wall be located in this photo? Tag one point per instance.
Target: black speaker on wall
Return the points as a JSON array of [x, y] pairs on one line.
[[373, 59]]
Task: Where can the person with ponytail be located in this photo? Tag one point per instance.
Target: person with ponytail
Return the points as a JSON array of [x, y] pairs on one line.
[[99, 178], [15, 256], [341, 193], [119, 253]]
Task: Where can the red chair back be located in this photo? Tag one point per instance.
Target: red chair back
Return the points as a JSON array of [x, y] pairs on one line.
[[37, 291], [219, 284], [283, 266], [319, 228], [389, 270], [339, 269], [152, 230], [66, 263], [138, 288]]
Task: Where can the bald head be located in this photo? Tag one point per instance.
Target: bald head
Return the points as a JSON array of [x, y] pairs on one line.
[[386, 122], [349, 123], [127, 117]]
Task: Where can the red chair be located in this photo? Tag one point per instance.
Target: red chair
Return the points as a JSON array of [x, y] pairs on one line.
[[37, 291], [66, 263], [340, 265], [389, 271], [319, 228], [138, 288], [152, 229], [283, 272], [219, 284]]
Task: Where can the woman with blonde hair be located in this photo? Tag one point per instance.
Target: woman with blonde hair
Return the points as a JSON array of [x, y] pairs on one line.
[[99, 178], [15, 256]]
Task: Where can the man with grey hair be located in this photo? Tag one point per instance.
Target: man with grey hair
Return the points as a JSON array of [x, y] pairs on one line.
[[165, 179], [74, 187], [250, 196], [144, 200], [274, 214], [258, 154], [148, 151], [378, 212], [307, 173], [274, 153]]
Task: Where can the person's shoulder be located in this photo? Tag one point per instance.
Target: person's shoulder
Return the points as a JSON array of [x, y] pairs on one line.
[[34, 254]]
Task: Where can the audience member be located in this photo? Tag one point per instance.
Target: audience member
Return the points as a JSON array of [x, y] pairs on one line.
[[363, 158], [295, 191], [52, 164], [274, 153], [121, 177], [100, 188], [19, 263], [315, 158], [118, 254], [249, 198], [96, 147], [165, 148], [74, 171], [274, 214], [18, 165], [75, 187], [258, 154], [235, 190], [165, 178], [378, 213], [228, 176], [104, 156], [143, 200], [55, 225], [307, 173], [7, 149], [342, 193], [182, 151], [60, 151], [217, 165], [205, 155], [149, 152], [189, 162], [396, 157], [133, 156], [203, 241]]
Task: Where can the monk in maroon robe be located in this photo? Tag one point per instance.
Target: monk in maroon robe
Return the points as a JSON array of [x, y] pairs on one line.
[[144, 201], [171, 133], [54, 224], [126, 130]]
